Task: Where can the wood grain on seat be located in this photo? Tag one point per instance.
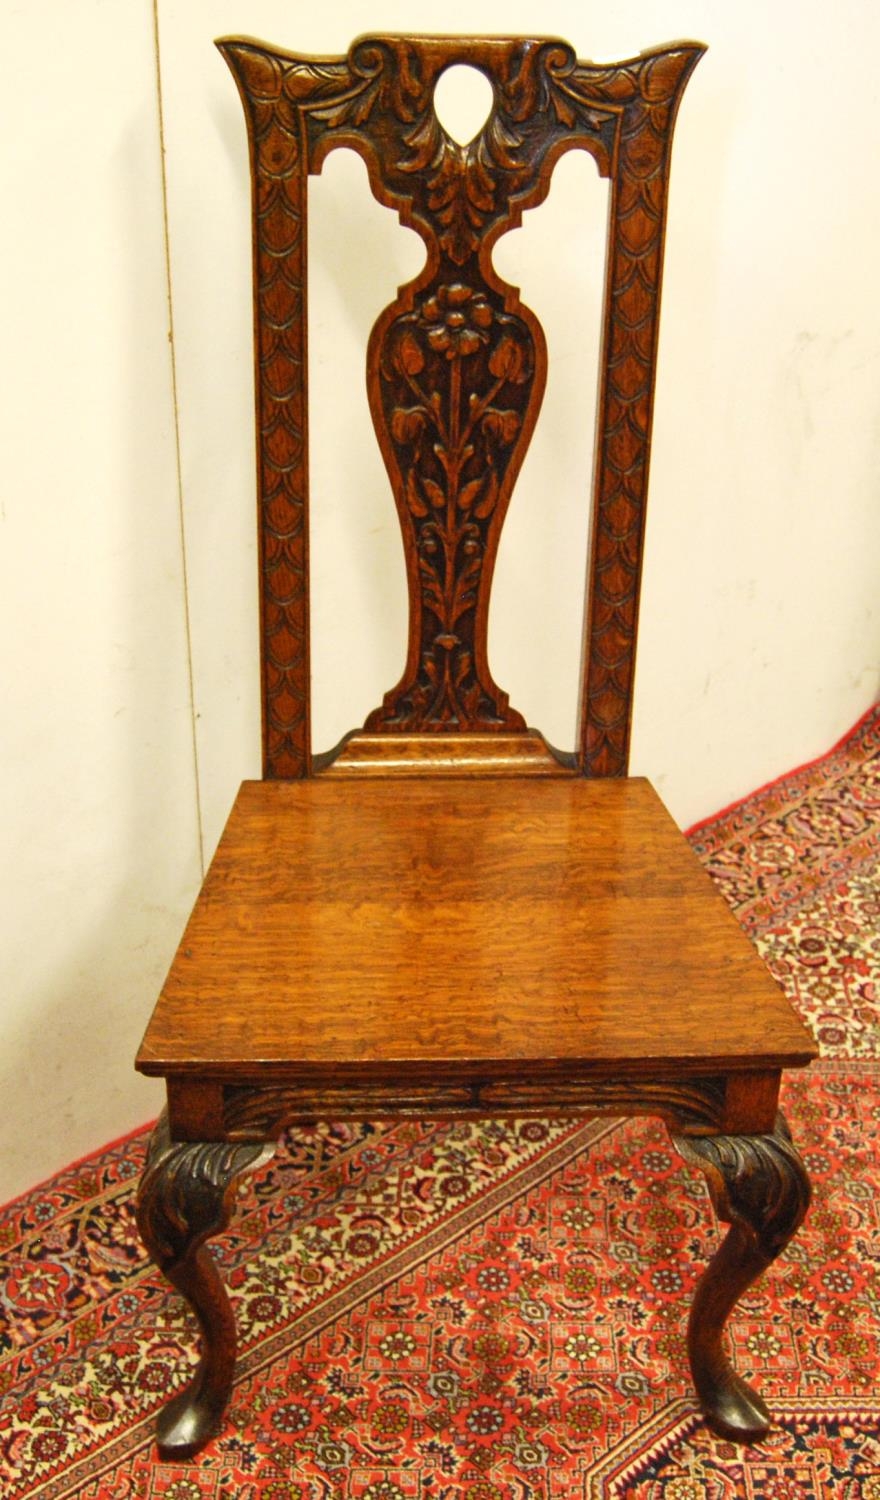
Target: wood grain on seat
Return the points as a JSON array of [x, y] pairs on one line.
[[494, 925]]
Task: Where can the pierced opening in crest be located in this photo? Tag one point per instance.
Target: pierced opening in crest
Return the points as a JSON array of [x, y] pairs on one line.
[[463, 101]]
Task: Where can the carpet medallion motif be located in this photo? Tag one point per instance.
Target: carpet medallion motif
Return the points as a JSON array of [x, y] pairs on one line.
[[496, 1311]]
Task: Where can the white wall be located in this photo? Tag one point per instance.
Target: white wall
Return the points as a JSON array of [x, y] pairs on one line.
[[759, 624], [99, 831]]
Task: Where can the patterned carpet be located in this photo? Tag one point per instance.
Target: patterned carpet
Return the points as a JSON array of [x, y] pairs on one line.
[[497, 1312]]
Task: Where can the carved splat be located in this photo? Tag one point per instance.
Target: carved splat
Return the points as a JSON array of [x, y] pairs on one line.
[[455, 402], [456, 364]]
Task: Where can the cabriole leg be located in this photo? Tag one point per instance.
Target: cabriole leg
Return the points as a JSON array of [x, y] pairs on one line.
[[759, 1186], [186, 1196]]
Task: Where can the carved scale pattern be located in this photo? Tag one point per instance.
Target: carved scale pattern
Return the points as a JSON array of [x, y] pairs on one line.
[[279, 211], [457, 363], [648, 92]]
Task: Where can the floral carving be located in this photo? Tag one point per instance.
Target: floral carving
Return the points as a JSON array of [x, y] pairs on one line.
[[449, 316], [380, 101], [456, 380]]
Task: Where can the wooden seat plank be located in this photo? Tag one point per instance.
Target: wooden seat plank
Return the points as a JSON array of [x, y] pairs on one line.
[[478, 923]]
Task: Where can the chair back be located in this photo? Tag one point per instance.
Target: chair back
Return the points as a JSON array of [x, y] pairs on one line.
[[456, 364]]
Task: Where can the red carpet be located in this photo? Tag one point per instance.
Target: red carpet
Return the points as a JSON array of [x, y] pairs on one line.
[[497, 1312]]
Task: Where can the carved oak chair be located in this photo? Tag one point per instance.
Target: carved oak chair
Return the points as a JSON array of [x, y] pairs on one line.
[[445, 916]]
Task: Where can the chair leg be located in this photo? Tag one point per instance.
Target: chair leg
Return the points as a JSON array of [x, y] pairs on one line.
[[759, 1186], [185, 1196]]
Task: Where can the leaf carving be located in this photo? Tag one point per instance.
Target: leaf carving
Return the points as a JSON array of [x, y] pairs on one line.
[[409, 355], [434, 493], [407, 423], [353, 110], [562, 109], [507, 361], [487, 504], [469, 493], [501, 424], [413, 498]]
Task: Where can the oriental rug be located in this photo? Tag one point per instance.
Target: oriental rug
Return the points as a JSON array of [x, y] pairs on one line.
[[497, 1311]]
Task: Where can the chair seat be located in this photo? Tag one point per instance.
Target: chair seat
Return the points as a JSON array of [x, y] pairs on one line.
[[492, 928]]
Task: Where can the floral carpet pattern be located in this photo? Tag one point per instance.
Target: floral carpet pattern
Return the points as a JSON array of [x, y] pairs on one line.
[[496, 1311]]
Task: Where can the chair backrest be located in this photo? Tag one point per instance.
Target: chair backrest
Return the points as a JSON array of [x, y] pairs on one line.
[[456, 364]]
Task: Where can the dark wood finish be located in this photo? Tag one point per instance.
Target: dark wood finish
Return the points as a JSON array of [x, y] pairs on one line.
[[444, 915], [185, 1197], [456, 364], [759, 1187]]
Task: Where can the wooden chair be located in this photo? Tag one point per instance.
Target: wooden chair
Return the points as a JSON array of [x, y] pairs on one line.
[[444, 916]]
